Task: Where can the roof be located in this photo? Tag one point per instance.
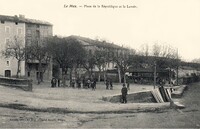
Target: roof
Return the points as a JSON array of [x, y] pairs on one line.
[[91, 42], [146, 70], [22, 19]]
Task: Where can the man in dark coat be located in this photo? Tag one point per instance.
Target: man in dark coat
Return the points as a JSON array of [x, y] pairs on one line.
[[124, 92], [53, 82]]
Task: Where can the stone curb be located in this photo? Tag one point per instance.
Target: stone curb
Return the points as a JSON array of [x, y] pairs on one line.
[[66, 111]]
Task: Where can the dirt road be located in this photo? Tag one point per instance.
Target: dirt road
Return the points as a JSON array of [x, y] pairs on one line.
[[173, 118], [166, 118]]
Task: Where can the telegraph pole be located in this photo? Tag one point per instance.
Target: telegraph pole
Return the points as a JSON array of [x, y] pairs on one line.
[[154, 74]]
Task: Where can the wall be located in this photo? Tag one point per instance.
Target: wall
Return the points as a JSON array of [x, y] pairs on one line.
[[17, 83], [13, 31], [33, 32]]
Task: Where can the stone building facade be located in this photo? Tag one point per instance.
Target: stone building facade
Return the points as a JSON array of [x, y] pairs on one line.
[[28, 30]]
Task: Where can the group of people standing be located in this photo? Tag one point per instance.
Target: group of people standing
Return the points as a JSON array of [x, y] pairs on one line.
[[91, 83], [86, 83], [76, 83], [109, 84], [54, 82]]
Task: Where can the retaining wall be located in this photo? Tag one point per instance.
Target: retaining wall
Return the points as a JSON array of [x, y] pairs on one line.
[[139, 97], [24, 84]]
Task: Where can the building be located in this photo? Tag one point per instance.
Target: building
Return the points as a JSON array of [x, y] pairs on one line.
[[108, 52], [27, 30]]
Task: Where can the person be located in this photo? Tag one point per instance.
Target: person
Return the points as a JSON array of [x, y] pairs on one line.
[[88, 83], [53, 82], [83, 82], [73, 83], [128, 84], [93, 85], [107, 84], [78, 83], [94, 82], [124, 92], [58, 82], [111, 85]]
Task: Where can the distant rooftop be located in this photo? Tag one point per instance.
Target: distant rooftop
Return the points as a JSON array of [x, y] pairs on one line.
[[22, 19], [96, 42]]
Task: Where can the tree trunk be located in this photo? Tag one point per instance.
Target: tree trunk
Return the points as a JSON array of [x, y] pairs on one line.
[[40, 79], [99, 76], [18, 68], [104, 75], [90, 72], [124, 77], [170, 76], [64, 74], [119, 74]]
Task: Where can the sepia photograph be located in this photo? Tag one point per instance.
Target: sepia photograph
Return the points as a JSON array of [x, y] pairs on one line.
[[99, 64]]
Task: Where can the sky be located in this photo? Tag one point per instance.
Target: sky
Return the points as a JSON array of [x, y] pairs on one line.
[[169, 22]]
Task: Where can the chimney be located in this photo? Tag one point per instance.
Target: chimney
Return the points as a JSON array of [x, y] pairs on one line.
[[21, 16]]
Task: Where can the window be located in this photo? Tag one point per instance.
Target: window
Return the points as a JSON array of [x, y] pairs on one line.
[[7, 29], [19, 31], [36, 67], [29, 25], [37, 33], [28, 74], [2, 22], [7, 63], [7, 73], [28, 41], [7, 41], [90, 52], [29, 32], [16, 23]]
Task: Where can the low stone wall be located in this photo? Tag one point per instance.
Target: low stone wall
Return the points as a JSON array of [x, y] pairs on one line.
[[24, 84], [188, 79], [178, 91], [139, 97]]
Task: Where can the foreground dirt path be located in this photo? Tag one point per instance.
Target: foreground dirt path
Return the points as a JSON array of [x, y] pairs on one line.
[[11, 118], [163, 118]]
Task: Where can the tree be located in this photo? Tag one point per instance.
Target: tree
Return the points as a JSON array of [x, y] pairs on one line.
[[37, 51], [166, 57], [58, 49], [89, 62], [163, 55], [68, 53], [123, 61], [101, 59], [144, 50], [16, 48], [77, 55]]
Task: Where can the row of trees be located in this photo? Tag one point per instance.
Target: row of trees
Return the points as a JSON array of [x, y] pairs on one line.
[[71, 55]]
